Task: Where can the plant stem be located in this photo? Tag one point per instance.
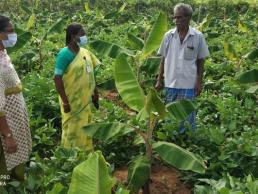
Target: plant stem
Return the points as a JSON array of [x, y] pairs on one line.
[[146, 188], [151, 125], [138, 71]]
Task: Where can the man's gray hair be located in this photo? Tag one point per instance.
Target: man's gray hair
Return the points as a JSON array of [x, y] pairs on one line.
[[188, 11]]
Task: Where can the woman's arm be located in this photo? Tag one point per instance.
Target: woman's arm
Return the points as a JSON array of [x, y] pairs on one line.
[[8, 137], [61, 91], [4, 128]]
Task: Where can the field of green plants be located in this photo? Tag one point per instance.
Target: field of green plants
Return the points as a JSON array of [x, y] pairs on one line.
[[221, 156]]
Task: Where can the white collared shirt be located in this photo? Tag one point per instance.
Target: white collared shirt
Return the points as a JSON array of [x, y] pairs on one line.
[[180, 70]]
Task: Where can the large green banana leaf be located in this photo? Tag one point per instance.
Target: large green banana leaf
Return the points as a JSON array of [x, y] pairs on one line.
[[106, 131], [104, 48], [91, 176], [179, 157], [252, 55], [151, 65], [248, 77], [179, 110], [127, 84], [135, 42], [138, 173], [56, 27], [152, 104], [156, 35]]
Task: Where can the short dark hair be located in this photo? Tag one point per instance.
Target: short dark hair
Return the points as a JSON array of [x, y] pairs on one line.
[[3, 22], [72, 29]]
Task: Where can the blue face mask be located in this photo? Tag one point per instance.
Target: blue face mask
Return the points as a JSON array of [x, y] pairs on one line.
[[11, 40], [83, 41]]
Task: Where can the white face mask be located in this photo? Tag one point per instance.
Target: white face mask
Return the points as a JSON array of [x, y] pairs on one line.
[[11, 41], [83, 41]]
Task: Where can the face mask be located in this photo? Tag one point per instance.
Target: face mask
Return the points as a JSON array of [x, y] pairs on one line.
[[11, 41], [83, 41]]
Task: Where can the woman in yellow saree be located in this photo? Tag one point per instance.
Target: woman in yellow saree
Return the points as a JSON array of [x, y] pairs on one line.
[[75, 84]]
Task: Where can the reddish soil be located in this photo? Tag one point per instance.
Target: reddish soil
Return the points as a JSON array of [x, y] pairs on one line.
[[164, 180], [110, 95]]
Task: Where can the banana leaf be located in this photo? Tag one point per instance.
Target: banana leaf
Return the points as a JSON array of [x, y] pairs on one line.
[[248, 77], [104, 48], [156, 35], [91, 176], [179, 157], [56, 27], [106, 131], [127, 84], [151, 65], [153, 104], [180, 109], [135, 42], [138, 173], [252, 55]]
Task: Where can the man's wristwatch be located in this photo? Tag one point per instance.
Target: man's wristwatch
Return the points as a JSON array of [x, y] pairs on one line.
[[8, 135]]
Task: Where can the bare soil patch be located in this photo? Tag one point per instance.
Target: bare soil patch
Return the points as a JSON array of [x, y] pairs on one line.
[[164, 180]]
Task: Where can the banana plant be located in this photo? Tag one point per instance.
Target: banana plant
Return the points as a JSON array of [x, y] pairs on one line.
[[249, 77], [139, 50], [92, 176], [150, 108]]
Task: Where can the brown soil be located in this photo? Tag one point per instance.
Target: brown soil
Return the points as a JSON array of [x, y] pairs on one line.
[[164, 180], [110, 94]]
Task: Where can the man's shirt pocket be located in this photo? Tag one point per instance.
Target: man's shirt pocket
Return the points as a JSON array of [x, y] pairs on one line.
[[190, 49], [190, 52]]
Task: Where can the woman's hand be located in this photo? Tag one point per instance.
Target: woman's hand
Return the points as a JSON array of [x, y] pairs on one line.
[[10, 144], [95, 99], [66, 107]]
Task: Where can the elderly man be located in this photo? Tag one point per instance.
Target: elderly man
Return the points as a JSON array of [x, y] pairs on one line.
[[183, 50]]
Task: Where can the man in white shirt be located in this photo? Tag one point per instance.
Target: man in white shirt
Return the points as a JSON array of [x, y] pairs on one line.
[[183, 50]]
